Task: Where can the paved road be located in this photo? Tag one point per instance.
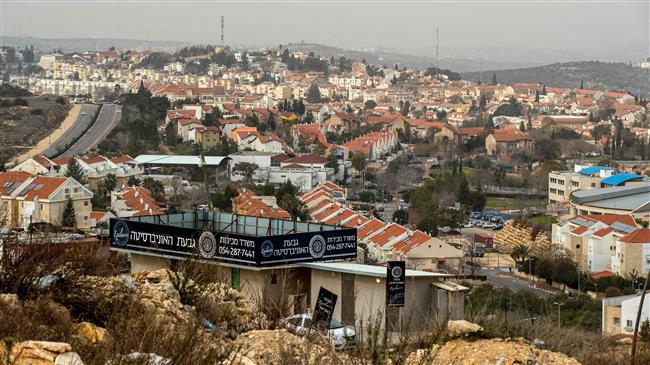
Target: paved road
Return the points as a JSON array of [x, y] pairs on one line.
[[505, 279], [85, 117], [108, 118]]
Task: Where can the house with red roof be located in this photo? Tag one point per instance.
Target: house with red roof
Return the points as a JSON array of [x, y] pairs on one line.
[[508, 141], [26, 199], [631, 255], [587, 239], [247, 203], [134, 201]]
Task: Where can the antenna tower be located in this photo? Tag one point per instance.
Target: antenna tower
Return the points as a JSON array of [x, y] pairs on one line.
[[222, 21], [437, 53]]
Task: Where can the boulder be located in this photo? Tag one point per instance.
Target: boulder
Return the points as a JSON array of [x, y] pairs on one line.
[[462, 328], [68, 358], [9, 300], [488, 352], [41, 353], [90, 332]]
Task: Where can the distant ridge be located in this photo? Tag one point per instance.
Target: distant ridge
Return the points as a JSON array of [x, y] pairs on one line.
[[89, 44], [596, 75]]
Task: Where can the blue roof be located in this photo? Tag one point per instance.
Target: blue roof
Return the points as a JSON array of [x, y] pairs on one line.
[[618, 179], [594, 169]]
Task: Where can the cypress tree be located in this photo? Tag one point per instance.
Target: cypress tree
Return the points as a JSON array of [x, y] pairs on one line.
[[69, 215]]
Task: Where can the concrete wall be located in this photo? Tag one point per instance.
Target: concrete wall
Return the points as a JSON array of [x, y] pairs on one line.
[[141, 263]]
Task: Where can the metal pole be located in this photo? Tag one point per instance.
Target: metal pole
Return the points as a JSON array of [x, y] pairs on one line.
[[579, 275], [638, 317]]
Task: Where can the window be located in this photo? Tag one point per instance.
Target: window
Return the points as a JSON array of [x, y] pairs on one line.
[[67, 191], [593, 185], [85, 203], [577, 246], [575, 183], [617, 321], [85, 217], [628, 323], [42, 206], [76, 190]]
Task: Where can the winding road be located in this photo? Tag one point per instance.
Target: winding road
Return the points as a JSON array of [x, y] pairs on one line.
[[108, 118], [74, 131]]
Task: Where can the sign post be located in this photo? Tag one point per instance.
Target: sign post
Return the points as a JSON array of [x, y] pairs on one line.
[[395, 287], [324, 309]]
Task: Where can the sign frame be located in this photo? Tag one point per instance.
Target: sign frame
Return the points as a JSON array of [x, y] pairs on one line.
[[395, 284]]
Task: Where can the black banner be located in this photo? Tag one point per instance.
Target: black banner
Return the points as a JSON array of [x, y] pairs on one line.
[[324, 309], [395, 283], [239, 249]]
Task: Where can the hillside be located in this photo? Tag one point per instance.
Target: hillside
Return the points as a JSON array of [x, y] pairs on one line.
[[596, 75], [84, 44], [25, 120], [390, 57]]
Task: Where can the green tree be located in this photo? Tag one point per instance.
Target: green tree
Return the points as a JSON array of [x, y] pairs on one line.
[[246, 169], [69, 215], [155, 187], [565, 271], [313, 93], [359, 161], [333, 163], [644, 331], [75, 171], [520, 252], [401, 216], [544, 268], [170, 135]]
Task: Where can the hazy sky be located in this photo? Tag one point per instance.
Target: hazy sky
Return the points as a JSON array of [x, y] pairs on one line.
[[578, 26]]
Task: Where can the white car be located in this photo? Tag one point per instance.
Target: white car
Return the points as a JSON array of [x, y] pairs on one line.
[[340, 336]]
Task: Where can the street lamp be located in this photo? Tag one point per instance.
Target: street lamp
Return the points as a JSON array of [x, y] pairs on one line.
[[559, 305], [530, 271]]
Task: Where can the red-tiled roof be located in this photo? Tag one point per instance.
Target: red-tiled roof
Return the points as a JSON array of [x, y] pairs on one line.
[[579, 230], [41, 187], [641, 235], [307, 159], [370, 227], [345, 214], [388, 234], [95, 159], [603, 232], [10, 180], [122, 159], [609, 219], [601, 274]]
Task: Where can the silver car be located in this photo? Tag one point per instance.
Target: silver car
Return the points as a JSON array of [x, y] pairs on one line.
[[340, 336]]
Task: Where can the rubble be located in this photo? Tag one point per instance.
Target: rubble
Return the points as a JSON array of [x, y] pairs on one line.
[[461, 328], [90, 332], [488, 352], [270, 347], [43, 353]]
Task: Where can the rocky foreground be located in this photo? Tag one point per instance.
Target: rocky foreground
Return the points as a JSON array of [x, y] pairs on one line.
[[154, 319]]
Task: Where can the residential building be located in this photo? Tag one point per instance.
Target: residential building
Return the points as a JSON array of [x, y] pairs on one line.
[[508, 141], [27, 199], [619, 313], [562, 183]]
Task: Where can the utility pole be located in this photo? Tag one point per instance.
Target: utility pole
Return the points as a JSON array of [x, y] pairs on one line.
[[559, 305], [638, 317]]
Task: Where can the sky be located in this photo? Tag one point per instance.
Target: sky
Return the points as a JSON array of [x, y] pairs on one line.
[[582, 29]]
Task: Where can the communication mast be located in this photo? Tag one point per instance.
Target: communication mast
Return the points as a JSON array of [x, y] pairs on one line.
[[437, 53], [222, 21]]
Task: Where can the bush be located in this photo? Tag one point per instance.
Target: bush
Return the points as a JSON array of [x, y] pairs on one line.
[[36, 112], [612, 292]]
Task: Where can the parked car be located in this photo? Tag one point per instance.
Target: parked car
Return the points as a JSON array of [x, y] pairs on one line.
[[468, 225], [489, 225], [340, 336]]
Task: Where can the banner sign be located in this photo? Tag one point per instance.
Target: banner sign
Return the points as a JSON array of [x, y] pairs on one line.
[[240, 249], [395, 283], [324, 309]]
